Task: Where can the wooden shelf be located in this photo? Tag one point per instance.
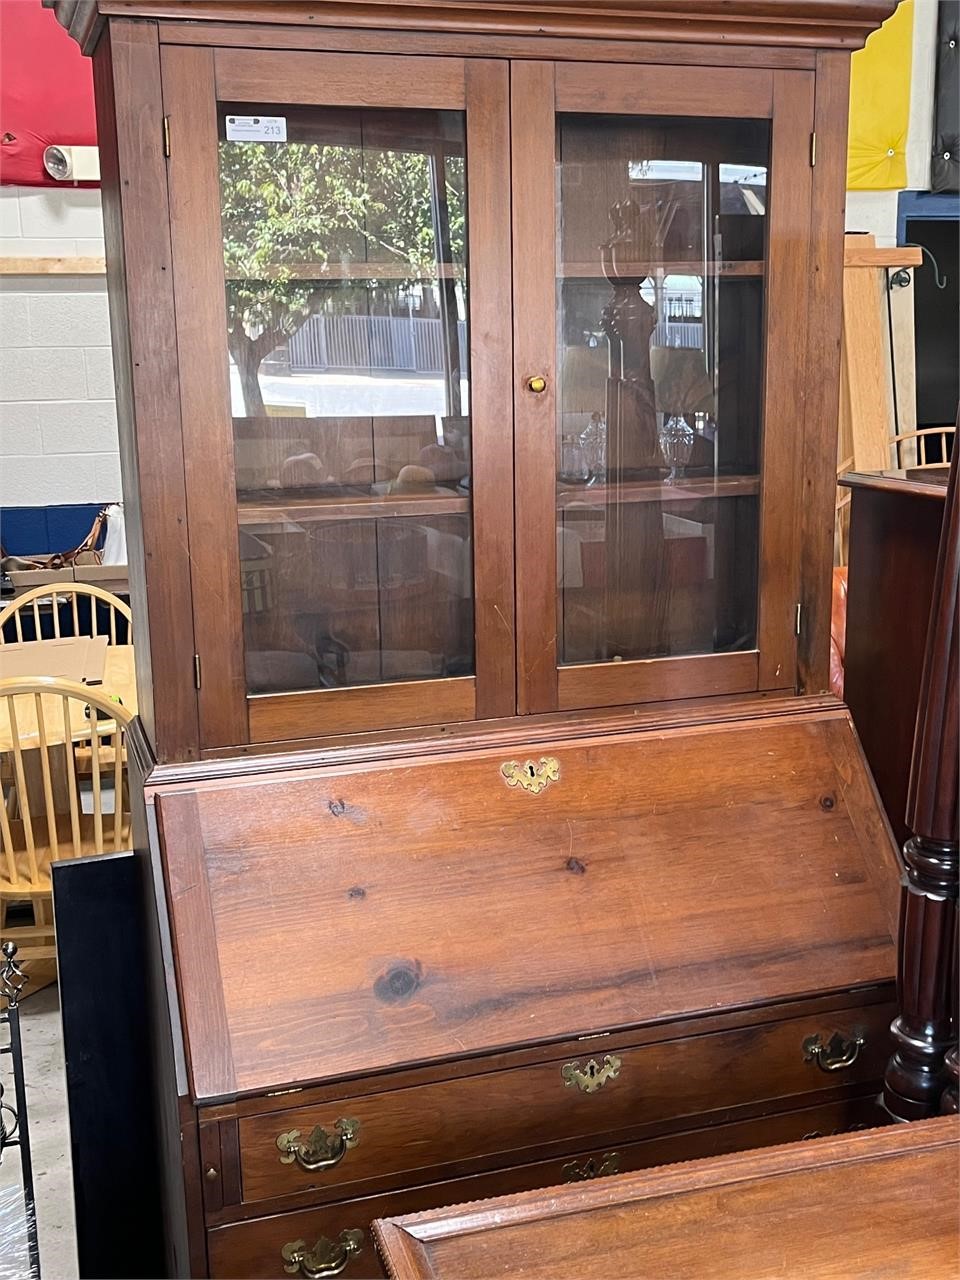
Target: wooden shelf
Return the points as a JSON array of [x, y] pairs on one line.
[[694, 489], [352, 271], [594, 270], [361, 507], [52, 266], [860, 250]]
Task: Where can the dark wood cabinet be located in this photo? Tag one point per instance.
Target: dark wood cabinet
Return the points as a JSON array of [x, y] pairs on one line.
[[478, 370], [895, 525]]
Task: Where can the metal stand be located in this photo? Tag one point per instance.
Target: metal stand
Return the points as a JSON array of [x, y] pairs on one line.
[[14, 1129]]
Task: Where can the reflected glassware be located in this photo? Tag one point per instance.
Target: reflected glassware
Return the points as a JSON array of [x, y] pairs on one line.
[[676, 438], [593, 441], [574, 466]]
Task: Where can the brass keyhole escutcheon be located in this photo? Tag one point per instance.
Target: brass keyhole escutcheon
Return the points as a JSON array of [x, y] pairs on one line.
[[537, 384], [593, 1076]]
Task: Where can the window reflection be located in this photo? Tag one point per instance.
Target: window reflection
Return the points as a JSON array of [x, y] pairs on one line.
[[346, 317], [661, 253]]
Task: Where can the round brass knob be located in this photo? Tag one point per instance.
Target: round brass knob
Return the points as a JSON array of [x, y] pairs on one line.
[[537, 384]]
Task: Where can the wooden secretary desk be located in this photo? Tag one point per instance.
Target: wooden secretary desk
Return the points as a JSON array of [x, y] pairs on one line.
[[478, 371]]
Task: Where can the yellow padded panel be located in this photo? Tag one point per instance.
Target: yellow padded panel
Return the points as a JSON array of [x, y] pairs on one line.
[[880, 106]]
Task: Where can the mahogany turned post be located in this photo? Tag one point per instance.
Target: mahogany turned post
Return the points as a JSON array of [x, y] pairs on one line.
[[926, 1026]]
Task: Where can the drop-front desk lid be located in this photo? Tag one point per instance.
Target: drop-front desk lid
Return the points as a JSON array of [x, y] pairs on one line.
[[334, 921]]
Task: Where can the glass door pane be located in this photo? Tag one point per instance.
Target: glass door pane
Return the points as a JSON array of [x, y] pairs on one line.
[[662, 230], [344, 233]]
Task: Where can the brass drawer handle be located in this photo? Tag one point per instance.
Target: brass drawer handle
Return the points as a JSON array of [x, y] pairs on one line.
[[326, 1258], [591, 1077], [589, 1170], [836, 1055], [320, 1150]]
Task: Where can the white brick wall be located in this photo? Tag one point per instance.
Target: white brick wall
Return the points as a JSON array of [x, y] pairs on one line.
[[58, 424]]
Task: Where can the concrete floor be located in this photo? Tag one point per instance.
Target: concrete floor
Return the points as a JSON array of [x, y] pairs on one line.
[[50, 1144]]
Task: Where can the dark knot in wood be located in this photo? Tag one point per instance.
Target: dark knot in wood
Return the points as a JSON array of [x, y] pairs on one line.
[[399, 982]]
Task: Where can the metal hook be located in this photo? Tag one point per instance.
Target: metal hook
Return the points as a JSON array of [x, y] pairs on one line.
[[901, 278]]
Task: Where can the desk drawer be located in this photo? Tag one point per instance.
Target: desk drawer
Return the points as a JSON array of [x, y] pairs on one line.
[[452, 1126], [255, 1249]]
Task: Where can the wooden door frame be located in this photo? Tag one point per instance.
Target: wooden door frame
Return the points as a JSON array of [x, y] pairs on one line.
[[539, 90], [195, 79]]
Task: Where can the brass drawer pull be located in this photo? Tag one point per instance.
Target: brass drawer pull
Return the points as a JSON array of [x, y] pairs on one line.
[[320, 1150], [836, 1055], [589, 1170], [326, 1258], [592, 1077]]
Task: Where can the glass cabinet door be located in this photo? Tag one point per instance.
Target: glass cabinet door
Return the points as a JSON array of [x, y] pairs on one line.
[[346, 324], [345, 243], [665, 413]]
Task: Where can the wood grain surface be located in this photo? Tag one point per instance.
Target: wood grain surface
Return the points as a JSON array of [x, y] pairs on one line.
[[349, 80], [452, 1126], [821, 384], [189, 102], [288, 716], [533, 129], [126, 73], [430, 910], [845, 23], [252, 1248], [786, 286], [833, 1209]]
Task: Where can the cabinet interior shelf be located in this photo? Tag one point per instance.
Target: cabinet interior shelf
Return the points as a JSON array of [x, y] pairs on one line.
[[692, 489], [628, 270], [397, 506], [355, 507], [351, 271]]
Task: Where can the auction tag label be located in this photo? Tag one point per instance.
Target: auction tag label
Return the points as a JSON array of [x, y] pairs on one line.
[[256, 128]]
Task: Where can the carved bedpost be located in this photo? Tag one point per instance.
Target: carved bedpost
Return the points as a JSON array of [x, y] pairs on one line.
[[926, 1026]]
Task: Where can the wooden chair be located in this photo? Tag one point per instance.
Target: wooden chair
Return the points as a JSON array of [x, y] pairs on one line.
[[42, 817], [72, 592], [911, 448]]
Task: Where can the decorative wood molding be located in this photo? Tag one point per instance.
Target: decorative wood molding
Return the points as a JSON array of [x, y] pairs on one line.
[[821, 23], [52, 266], [81, 18]]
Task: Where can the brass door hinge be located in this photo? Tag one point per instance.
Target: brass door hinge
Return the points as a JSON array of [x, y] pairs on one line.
[[797, 621], [196, 671], [166, 136], [813, 149]]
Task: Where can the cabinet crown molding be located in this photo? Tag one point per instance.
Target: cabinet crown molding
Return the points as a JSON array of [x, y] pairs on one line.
[[822, 23]]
